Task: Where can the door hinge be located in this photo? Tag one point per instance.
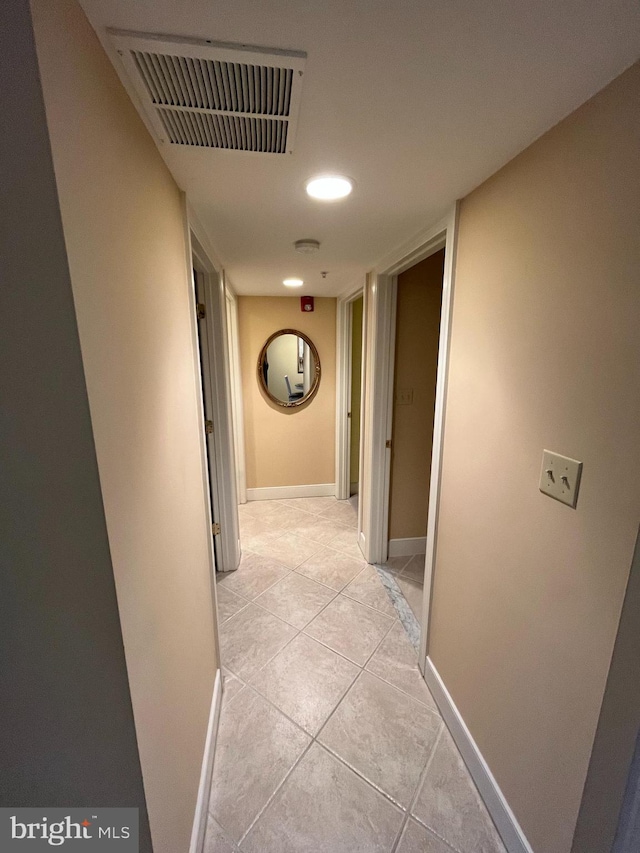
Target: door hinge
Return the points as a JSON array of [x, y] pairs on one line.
[[387, 443], [208, 427], [201, 311], [215, 529], [348, 414]]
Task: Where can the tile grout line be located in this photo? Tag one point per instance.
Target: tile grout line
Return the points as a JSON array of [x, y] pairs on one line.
[[382, 639], [433, 711], [340, 654], [276, 791], [443, 728], [268, 556], [279, 710], [321, 582], [363, 603], [423, 774], [303, 631], [288, 572], [339, 759], [360, 667], [327, 545], [315, 739], [371, 784], [306, 625]]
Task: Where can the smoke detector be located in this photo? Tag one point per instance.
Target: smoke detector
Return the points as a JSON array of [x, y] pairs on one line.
[[307, 247], [206, 94]]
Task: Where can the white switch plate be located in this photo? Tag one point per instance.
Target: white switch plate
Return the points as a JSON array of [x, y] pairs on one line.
[[404, 397], [560, 477]]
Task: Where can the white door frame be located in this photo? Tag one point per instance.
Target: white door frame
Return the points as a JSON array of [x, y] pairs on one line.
[[216, 389], [343, 391], [237, 408], [380, 354]]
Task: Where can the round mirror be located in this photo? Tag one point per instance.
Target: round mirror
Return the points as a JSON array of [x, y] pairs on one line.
[[289, 368]]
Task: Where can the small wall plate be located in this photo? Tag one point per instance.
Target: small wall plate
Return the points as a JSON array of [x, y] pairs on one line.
[[560, 477]]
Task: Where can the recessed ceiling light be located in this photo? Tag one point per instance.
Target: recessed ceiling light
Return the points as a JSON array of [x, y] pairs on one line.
[[293, 282], [329, 187]]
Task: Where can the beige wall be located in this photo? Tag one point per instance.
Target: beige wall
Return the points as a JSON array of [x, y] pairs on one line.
[[288, 447], [124, 231], [416, 365], [67, 735], [545, 353]]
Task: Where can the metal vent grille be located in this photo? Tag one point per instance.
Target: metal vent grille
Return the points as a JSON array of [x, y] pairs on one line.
[[206, 95], [238, 133], [227, 86]]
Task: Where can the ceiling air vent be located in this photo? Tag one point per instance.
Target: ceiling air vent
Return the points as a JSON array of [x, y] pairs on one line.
[[213, 94]]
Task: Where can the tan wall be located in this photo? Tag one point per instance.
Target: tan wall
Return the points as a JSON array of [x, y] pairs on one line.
[[67, 734], [288, 447], [545, 353], [124, 231], [416, 365]]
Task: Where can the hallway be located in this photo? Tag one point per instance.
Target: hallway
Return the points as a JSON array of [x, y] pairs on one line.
[[506, 133], [329, 739]]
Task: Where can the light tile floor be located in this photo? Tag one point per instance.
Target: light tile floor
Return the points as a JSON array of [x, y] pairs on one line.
[[329, 739]]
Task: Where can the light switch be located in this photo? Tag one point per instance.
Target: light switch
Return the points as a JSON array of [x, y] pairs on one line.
[[404, 397], [560, 477]]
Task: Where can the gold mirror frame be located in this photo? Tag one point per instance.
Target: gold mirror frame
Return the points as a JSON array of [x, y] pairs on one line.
[[316, 373]]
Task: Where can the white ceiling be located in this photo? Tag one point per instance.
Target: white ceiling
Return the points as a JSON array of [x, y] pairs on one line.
[[417, 100]]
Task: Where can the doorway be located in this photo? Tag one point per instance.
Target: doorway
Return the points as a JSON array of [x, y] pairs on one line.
[[417, 333], [212, 346], [378, 390], [205, 369], [355, 395], [350, 400]]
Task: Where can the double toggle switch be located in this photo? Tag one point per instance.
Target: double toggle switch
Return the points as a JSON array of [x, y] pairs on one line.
[[560, 477]]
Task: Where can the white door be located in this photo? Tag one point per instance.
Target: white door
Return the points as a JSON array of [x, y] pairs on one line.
[[217, 425]]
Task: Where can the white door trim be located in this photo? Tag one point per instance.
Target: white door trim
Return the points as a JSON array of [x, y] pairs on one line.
[[279, 493], [451, 235], [214, 338], [343, 391], [409, 547], [380, 340], [204, 467], [237, 407], [382, 289], [199, 828]]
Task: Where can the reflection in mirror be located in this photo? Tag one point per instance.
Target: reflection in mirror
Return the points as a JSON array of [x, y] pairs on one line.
[[289, 368]]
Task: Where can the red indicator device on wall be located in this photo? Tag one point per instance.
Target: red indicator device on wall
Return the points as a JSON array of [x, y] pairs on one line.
[[306, 303]]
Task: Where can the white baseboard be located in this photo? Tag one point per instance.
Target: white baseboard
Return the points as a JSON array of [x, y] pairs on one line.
[[204, 789], [408, 547], [512, 835], [277, 493]]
